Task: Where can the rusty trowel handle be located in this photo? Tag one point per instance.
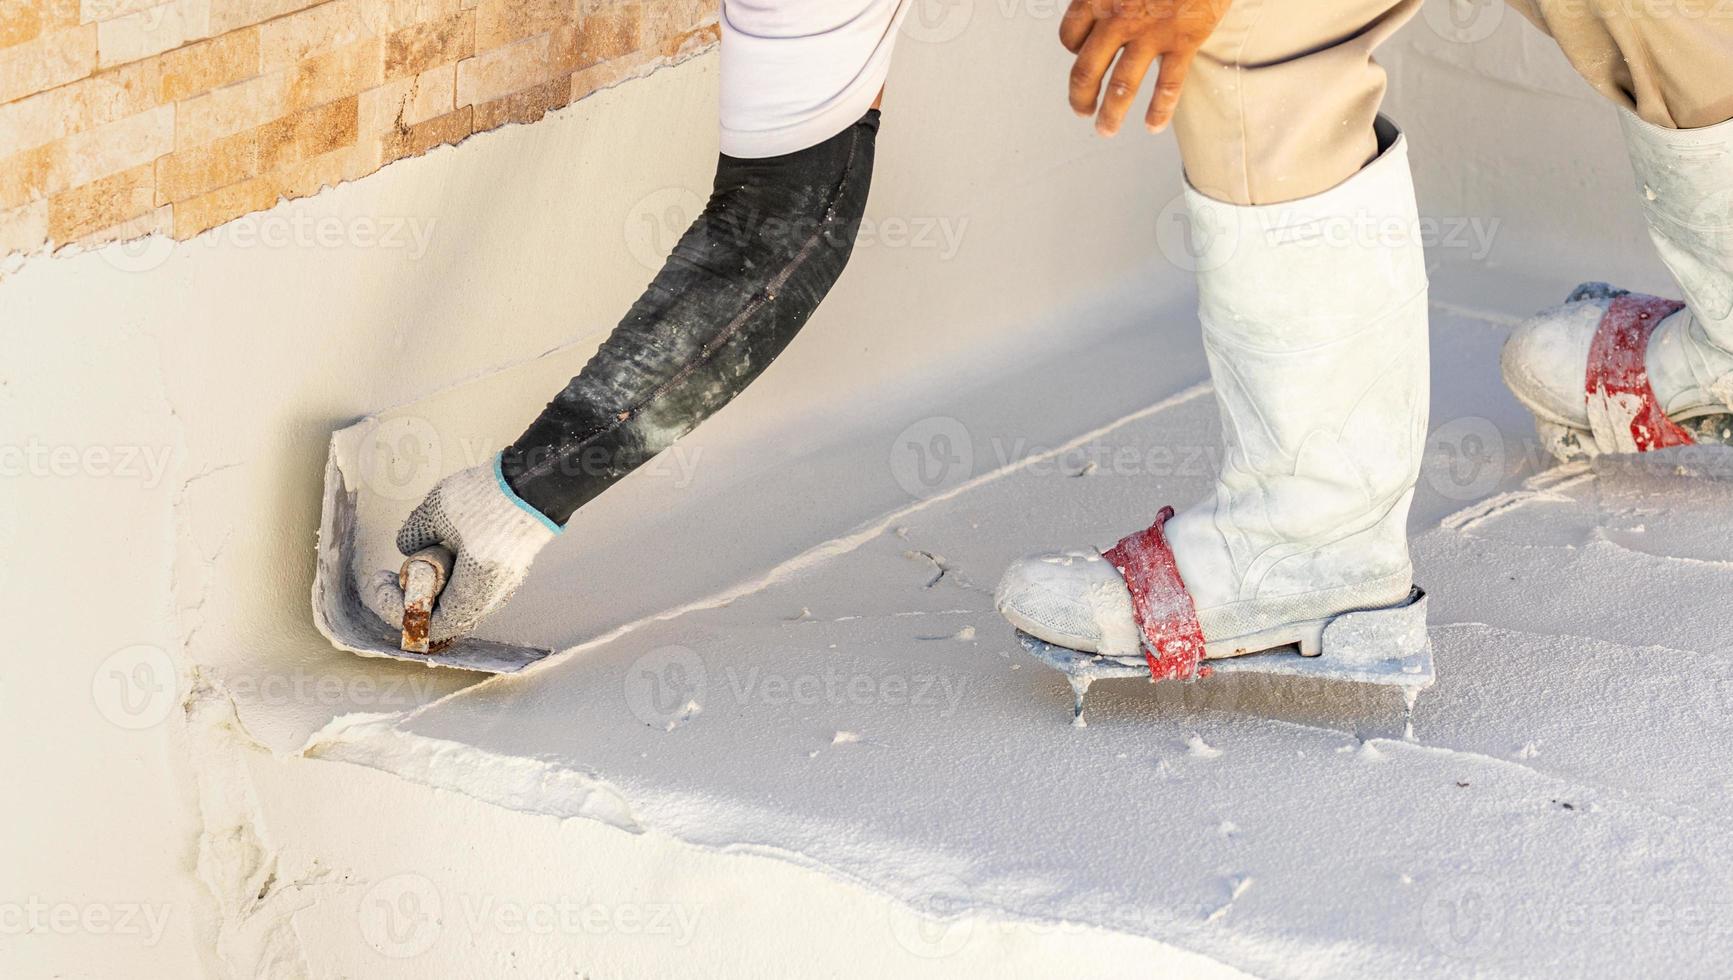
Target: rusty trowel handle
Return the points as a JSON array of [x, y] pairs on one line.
[[423, 575]]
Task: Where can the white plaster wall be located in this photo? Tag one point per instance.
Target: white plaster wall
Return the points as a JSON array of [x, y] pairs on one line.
[[166, 408]]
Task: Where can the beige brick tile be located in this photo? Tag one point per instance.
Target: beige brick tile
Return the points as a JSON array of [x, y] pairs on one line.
[[500, 22], [151, 31], [116, 93], [24, 229], [414, 50], [607, 34], [33, 175], [378, 108], [46, 61], [100, 204], [120, 145], [670, 18], [197, 170], [157, 221], [418, 139], [307, 134], [27, 20], [77, 106], [231, 109], [502, 71], [389, 16], [300, 35], [199, 214], [198, 68], [336, 74], [309, 177], [85, 157], [19, 22], [610, 73], [91, 11], [227, 15], [526, 106], [690, 42], [435, 94], [392, 108]]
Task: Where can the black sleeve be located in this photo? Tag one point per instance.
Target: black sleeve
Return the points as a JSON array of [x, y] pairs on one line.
[[739, 285]]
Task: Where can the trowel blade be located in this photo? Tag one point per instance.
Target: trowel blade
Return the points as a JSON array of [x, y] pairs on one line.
[[340, 614]]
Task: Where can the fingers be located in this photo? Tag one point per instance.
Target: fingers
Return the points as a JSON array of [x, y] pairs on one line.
[[1075, 26], [417, 530], [1122, 87], [1092, 63], [1168, 82], [442, 628], [385, 597], [468, 596]]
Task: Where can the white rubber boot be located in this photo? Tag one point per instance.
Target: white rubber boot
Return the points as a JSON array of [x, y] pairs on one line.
[[1686, 181], [1314, 322]]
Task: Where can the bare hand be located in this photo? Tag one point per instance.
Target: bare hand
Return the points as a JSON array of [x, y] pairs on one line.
[[1137, 32]]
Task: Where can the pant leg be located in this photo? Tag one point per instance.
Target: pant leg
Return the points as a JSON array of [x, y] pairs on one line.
[[1280, 102], [1669, 61]]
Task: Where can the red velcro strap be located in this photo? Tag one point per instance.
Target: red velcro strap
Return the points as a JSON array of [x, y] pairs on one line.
[[1172, 639], [1618, 378]]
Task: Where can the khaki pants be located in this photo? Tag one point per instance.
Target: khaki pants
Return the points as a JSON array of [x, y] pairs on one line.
[[1279, 103]]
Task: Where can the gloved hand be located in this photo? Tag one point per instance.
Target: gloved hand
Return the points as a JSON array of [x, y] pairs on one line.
[[493, 533]]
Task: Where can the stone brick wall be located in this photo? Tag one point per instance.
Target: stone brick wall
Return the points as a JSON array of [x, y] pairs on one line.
[[123, 117]]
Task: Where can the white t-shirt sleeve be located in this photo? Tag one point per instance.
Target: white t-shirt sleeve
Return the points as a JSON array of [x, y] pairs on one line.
[[797, 72]]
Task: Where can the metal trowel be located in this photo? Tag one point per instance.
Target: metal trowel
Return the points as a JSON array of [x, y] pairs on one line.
[[347, 622]]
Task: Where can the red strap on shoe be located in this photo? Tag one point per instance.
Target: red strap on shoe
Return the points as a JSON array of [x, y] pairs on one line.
[[1172, 639], [1622, 405]]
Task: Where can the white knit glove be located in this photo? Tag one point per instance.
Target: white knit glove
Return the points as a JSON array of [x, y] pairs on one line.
[[494, 535]]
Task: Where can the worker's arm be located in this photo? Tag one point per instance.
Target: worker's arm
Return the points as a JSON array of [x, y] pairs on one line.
[[1137, 32], [772, 240]]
